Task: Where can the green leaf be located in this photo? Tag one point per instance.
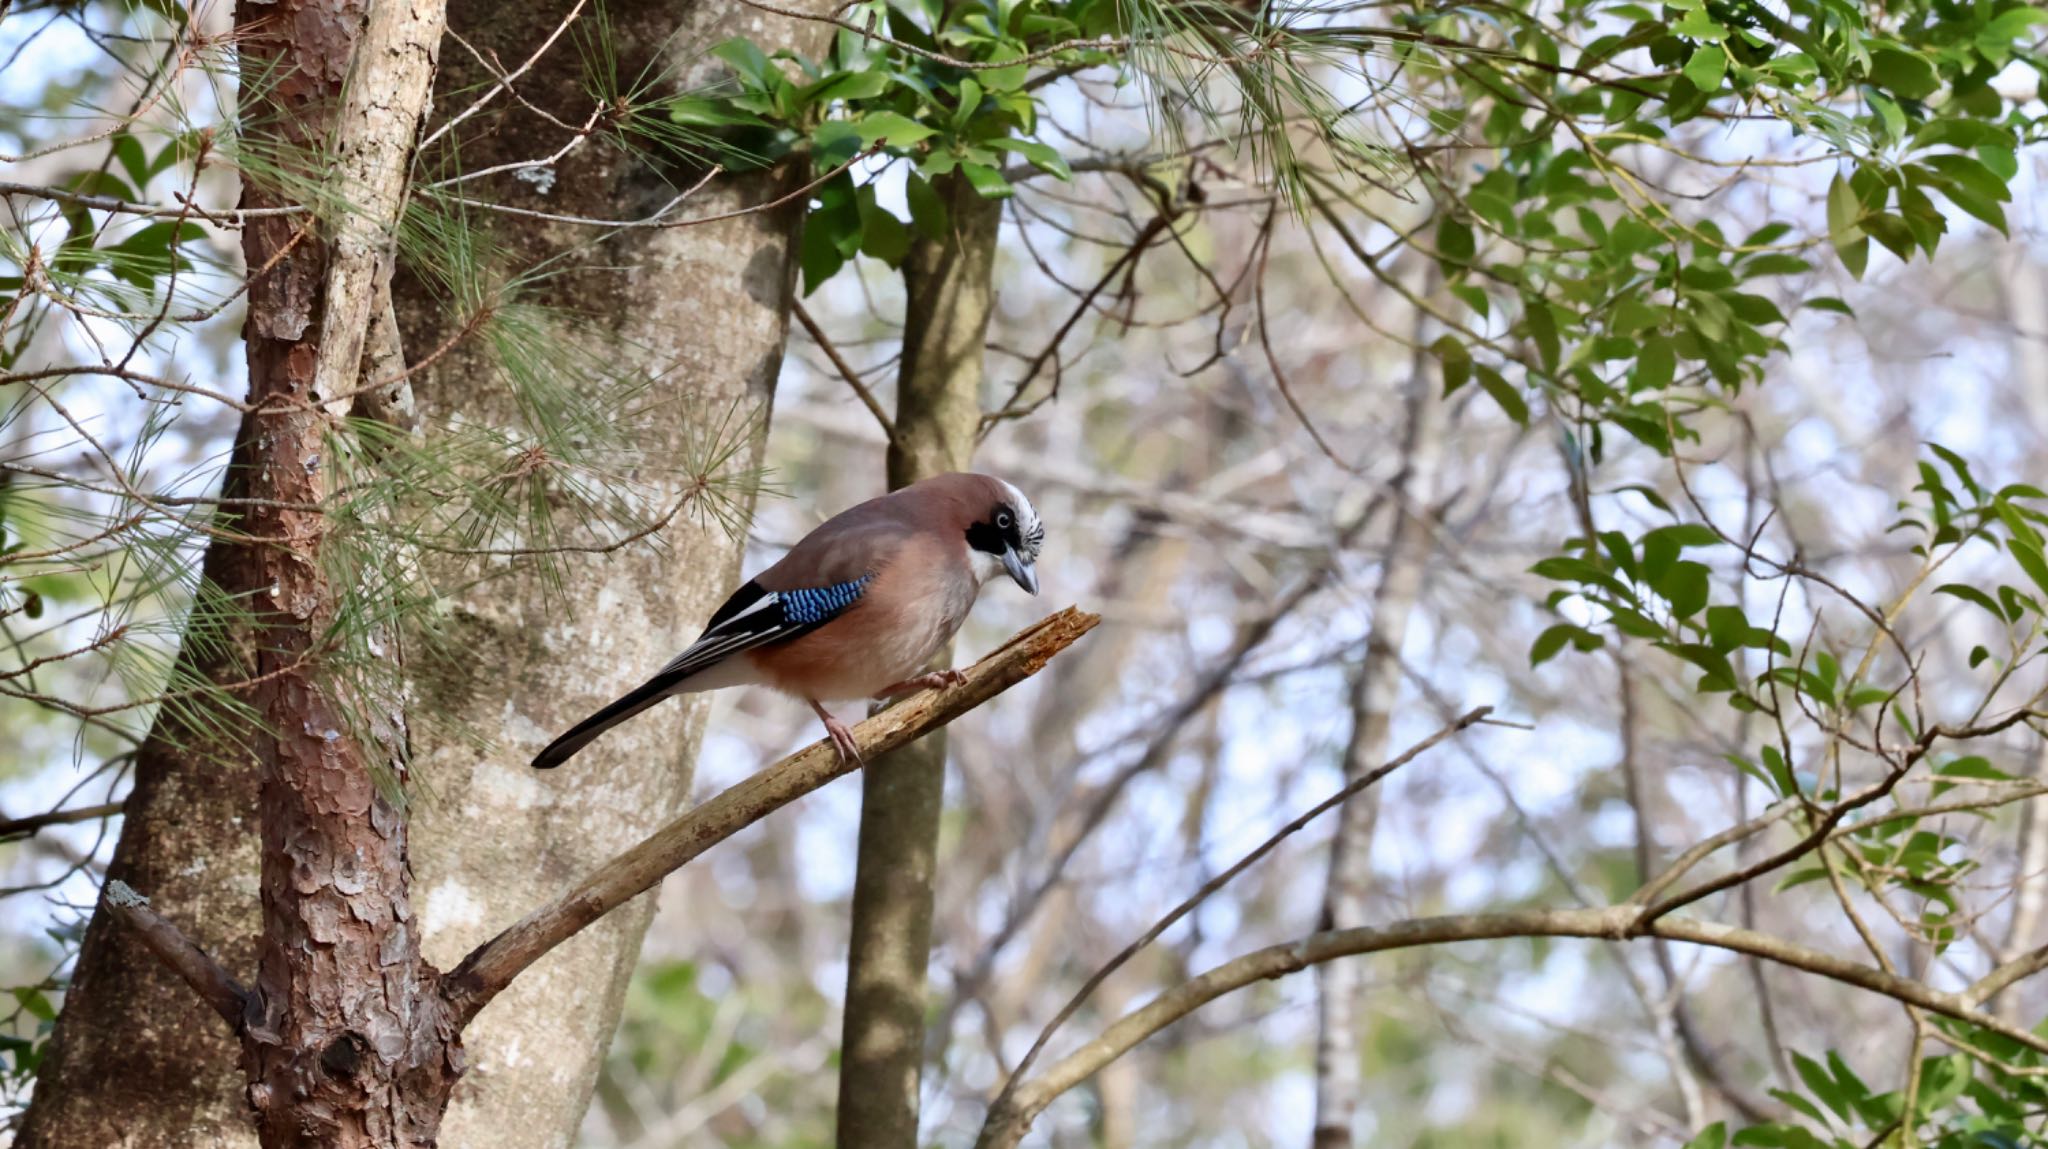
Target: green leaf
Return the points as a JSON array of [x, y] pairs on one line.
[[1973, 766], [1456, 362], [2011, 24], [1697, 25], [1005, 79], [1707, 67], [1044, 157], [1781, 772], [1656, 363], [1907, 73], [1999, 160], [1852, 1085], [987, 181], [128, 150], [1554, 639], [32, 1000], [1971, 174], [1971, 594], [1454, 242], [1889, 115], [891, 128], [1727, 626], [927, 210], [970, 99], [96, 182], [1959, 133], [1790, 1136], [1719, 672], [834, 142], [1714, 1136], [1942, 1080], [819, 258], [1542, 328], [2029, 557], [882, 235], [1509, 399], [1774, 263], [863, 85], [1798, 878], [1684, 535], [1686, 587], [832, 233], [699, 112], [1845, 215], [1821, 1084], [746, 59]]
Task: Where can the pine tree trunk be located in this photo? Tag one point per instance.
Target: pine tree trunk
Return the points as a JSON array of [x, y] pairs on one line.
[[136, 1058], [950, 296]]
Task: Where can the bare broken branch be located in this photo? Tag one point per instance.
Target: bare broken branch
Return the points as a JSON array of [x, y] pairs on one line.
[[491, 967]]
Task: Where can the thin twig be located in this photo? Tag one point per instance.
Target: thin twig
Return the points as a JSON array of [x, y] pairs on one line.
[[23, 827], [1344, 794], [846, 371]]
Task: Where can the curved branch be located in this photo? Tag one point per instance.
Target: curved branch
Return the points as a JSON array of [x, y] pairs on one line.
[[1006, 1124], [491, 966]]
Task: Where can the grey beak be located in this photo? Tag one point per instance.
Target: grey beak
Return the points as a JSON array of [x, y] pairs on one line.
[[1020, 570]]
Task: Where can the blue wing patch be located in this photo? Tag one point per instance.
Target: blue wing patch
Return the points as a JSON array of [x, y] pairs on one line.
[[814, 605], [755, 617]]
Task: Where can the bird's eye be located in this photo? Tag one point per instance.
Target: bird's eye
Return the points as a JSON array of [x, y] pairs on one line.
[[1003, 520]]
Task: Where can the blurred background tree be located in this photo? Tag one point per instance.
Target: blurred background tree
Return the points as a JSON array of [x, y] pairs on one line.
[[1663, 377]]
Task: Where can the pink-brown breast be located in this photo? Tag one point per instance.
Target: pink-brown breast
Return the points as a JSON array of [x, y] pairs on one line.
[[913, 607]]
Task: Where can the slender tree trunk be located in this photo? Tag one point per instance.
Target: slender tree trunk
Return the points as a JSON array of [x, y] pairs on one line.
[[1375, 690], [2027, 306], [703, 313], [951, 294]]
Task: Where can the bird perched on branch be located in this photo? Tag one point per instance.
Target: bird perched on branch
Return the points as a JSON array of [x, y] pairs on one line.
[[854, 610]]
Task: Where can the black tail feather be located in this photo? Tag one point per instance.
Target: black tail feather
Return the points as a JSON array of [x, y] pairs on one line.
[[583, 733]]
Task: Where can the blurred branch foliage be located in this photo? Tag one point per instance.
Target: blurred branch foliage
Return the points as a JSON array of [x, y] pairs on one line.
[[1739, 505]]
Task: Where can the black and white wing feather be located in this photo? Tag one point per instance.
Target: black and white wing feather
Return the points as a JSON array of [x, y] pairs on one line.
[[754, 616]]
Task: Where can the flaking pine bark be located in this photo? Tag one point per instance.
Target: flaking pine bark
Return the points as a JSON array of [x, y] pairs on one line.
[[344, 1041]]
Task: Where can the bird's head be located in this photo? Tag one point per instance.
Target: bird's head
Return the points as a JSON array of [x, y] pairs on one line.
[[1006, 535]]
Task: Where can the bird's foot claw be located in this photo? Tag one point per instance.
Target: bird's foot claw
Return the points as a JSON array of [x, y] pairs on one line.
[[842, 741], [936, 680]]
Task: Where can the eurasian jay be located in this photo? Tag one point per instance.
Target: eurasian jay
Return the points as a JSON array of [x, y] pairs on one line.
[[855, 609]]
